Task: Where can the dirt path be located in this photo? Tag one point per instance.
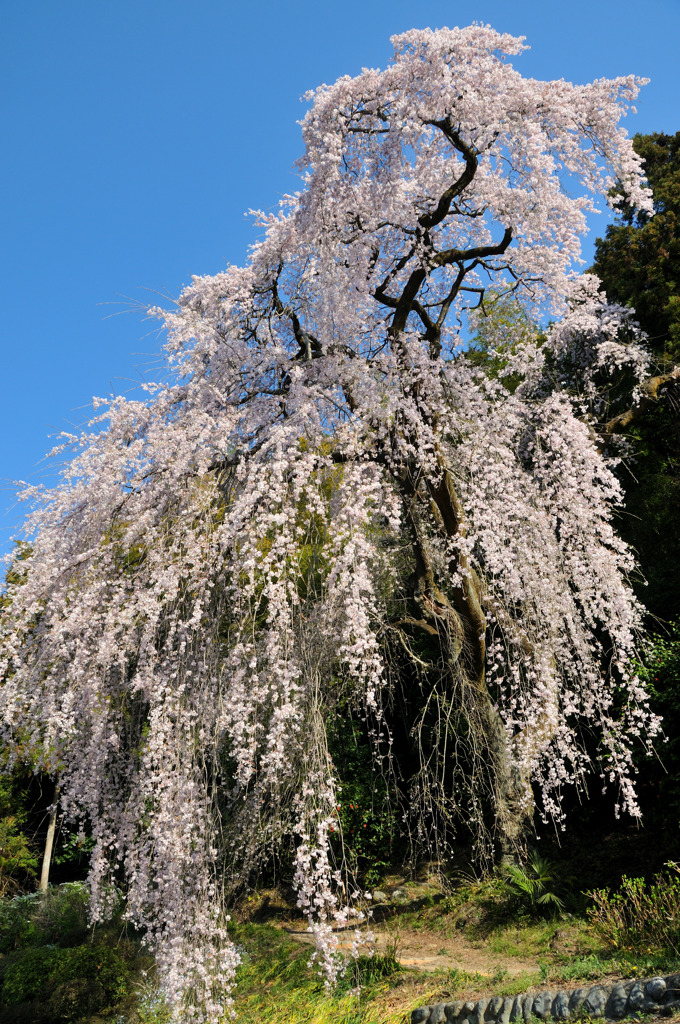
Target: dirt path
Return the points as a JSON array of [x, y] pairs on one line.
[[427, 950]]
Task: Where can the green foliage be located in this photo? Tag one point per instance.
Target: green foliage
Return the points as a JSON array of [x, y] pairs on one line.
[[73, 847], [502, 317], [54, 969], [18, 856], [40, 972], [640, 916], [367, 818], [277, 983], [660, 670], [639, 258], [535, 888], [367, 970], [151, 1008], [57, 917]]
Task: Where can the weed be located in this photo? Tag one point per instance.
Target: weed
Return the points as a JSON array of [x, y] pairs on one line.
[[367, 970], [640, 916], [500, 974]]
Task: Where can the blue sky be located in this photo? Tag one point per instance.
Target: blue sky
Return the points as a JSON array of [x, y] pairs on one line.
[[137, 133]]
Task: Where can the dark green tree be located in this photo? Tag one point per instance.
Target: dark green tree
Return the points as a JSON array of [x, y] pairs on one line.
[[638, 260]]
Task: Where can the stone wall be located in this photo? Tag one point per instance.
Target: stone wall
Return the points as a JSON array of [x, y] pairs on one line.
[[623, 999]]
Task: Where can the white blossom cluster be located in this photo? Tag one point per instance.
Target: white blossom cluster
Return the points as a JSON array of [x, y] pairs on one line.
[[208, 582]]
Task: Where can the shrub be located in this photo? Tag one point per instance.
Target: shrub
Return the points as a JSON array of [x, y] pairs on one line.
[[535, 888], [57, 917], [72, 982], [640, 916], [16, 855]]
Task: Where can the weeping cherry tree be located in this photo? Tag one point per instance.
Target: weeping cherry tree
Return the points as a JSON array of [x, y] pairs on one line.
[[325, 500]]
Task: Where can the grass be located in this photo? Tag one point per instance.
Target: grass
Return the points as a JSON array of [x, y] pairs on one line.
[[277, 984], [276, 981]]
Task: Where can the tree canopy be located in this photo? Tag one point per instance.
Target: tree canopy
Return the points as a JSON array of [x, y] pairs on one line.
[[327, 508]]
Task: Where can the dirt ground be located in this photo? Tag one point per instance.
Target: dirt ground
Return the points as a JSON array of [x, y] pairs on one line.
[[426, 950]]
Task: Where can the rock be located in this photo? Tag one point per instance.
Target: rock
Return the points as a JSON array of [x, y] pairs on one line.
[[543, 1004], [576, 999], [477, 1015], [420, 1015], [636, 997], [381, 897], [673, 985], [527, 1007], [400, 896], [560, 1006], [493, 1008], [617, 1002], [655, 989], [596, 1000], [453, 1009], [516, 1011], [506, 1010], [437, 1014]]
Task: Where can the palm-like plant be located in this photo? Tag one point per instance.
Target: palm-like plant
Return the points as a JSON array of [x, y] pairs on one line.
[[535, 887]]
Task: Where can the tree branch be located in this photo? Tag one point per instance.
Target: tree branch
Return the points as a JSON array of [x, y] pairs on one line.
[[430, 220], [652, 391]]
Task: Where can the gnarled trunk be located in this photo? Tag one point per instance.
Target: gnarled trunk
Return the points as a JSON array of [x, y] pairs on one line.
[[450, 611]]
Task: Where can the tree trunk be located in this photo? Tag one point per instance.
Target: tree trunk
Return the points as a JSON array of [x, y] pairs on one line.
[[455, 614], [49, 841]]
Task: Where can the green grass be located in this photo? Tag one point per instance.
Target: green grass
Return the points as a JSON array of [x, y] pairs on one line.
[[276, 983], [46, 950]]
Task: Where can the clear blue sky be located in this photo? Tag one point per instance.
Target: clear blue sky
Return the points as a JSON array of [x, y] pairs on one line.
[[137, 132]]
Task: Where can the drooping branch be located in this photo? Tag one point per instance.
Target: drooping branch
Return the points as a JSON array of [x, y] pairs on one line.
[[310, 347]]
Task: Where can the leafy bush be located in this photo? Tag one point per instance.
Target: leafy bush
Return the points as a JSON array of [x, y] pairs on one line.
[[57, 917], [68, 982], [18, 860], [16, 855], [640, 916]]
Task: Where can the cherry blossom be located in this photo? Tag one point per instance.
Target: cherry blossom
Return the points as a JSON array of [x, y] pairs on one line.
[[323, 478]]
